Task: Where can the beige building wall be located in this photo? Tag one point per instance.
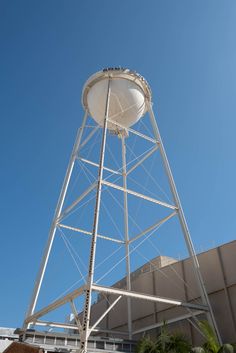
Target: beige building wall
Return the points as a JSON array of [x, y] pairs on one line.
[[175, 279]]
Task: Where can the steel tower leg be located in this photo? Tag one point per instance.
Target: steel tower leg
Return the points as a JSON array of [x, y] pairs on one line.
[[183, 223], [126, 224], [85, 332], [57, 214]]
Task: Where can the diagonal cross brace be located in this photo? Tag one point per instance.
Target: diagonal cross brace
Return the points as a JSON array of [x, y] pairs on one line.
[[54, 305]]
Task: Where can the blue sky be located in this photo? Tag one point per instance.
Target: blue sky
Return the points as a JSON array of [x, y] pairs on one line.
[[185, 49]]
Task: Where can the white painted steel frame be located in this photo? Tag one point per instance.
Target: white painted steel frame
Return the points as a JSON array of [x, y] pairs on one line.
[[126, 231], [97, 165], [88, 292], [75, 203], [54, 305], [170, 321], [153, 298], [155, 225], [183, 223], [137, 194], [75, 312], [56, 216], [74, 327], [84, 328], [104, 314], [145, 137], [95, 129], [78, 230], [147, 155], [33, 319]]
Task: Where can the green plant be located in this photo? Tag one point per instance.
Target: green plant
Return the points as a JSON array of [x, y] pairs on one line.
[[146, 345], [212, 344], [165, 343], [163, 340], [179, 344]]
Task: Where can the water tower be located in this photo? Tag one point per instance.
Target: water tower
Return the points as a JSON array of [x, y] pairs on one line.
[[116, 99]]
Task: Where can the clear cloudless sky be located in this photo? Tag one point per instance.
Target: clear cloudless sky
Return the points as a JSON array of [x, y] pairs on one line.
[[186, 50]]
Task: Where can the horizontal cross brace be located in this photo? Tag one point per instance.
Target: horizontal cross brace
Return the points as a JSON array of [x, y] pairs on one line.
[[97, 165], [90, 126], [170, 321], [54, 324], [73, 327], [100, 329], [33, 319], [78, 230], [133, 131], [131, 192], [132, 294], [69, 326]]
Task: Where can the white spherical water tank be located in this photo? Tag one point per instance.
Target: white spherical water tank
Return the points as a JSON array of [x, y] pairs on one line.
[[129, 95]]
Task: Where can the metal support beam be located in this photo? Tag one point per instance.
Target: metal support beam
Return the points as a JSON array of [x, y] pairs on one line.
[[88, 295], [105, 313], [56, 216], [97, 165], [85, 328], [145, 137], [148, 297], [95, 129], [126, 230], [194, 324], [112, 332], [78, 230], [146, 156], [75, 312], [183, 223], [80, 198], [155, 225], [131, 192], [54, 305], [72, 327], [55, 324], [170, 321]]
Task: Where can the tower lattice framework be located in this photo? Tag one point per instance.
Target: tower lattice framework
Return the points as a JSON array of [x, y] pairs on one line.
[[121, 132]]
